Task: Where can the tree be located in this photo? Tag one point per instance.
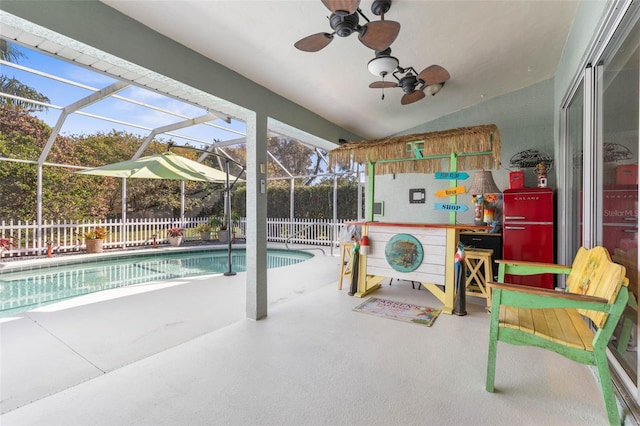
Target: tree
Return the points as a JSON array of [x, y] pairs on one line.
[[65, 195], [320, 155], [311, 202], [12, 86], [292, 155], [8, 52], [20, 137]]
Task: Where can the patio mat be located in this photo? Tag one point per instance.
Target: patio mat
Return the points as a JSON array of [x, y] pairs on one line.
[[399, 311]]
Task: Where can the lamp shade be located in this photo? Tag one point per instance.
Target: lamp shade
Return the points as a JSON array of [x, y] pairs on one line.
[[382, 65], [483, 183]]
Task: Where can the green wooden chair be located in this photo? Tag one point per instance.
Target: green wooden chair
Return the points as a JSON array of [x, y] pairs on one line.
[[576, 324]]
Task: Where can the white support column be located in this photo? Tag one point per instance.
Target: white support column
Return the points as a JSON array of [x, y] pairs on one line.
[[39, 200], [292, 198], [182, 201], [359, 209], [335, 229], [256, 147], [292, 205], [123, 231]]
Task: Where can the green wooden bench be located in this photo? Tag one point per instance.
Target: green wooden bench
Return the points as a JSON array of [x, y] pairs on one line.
[[557, 321], [629, 320]]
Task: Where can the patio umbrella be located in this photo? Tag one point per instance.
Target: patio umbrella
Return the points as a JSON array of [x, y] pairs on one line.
[[161, 166], [172, 167]]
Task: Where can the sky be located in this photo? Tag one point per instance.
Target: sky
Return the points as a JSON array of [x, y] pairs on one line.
[[62, 94]]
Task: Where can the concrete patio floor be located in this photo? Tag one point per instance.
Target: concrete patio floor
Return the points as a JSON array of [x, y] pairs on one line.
[[182, 353]]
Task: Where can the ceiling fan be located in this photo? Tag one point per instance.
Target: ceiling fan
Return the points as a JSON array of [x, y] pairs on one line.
[[345, 20], [414, 85]]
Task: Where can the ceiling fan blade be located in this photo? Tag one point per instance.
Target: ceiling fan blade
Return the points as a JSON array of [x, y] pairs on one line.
[[434, 74], [412, 97], [378, 35], [348, 6], [314, 42], [382, 84]]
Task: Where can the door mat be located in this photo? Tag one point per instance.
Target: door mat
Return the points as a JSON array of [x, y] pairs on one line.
[[399, 311]]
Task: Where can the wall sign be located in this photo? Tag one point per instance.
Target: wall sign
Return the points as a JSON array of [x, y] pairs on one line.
[[451, 207], [452, 175], [448, 192]]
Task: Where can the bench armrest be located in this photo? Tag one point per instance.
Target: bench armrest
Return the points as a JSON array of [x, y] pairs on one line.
[[551, 266], [523, 267], [534, 297]]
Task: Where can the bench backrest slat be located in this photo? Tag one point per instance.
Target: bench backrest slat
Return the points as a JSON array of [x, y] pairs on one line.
[[594, 274]]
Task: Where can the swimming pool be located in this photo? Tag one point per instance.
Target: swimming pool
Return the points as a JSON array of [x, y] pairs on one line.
[[23, 288]]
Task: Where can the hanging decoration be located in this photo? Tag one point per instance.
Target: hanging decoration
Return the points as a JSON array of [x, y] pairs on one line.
[[530, 158]]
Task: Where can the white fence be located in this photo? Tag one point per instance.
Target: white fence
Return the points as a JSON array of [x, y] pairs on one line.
[[67, 236]]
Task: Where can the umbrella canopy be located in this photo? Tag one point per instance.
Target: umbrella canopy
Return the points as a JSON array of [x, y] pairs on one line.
[[161, 166]]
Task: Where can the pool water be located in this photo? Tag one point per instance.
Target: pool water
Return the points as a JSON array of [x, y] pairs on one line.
[[25, 288]]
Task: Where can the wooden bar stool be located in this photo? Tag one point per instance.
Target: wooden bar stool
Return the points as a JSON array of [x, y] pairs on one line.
[[346, 262], [479, 266]]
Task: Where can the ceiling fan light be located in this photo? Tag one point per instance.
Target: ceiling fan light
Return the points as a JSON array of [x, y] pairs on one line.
[[432, 89], [382, 65]]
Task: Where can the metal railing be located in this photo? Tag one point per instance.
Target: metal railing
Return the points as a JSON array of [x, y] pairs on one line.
[[68, 236], [303, 230]]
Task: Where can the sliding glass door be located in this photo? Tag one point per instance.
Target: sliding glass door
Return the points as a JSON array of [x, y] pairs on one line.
[[599, 148], [617, 190]]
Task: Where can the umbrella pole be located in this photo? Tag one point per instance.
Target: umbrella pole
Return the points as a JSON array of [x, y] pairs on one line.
[[229, 224]]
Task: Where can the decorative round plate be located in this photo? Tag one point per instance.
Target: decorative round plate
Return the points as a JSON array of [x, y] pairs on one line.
[[404, 253]]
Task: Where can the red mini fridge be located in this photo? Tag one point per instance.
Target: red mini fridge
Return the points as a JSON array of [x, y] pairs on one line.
[[527, 232]]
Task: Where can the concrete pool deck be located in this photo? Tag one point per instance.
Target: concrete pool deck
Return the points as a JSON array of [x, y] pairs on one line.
[[182, 353]]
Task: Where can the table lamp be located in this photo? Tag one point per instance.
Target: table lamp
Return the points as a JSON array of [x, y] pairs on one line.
[[481, 185]]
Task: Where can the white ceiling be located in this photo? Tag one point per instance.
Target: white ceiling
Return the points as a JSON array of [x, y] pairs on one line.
[[490, 48]]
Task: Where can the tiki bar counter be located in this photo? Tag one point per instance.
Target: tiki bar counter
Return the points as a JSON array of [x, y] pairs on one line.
[[422, 253]]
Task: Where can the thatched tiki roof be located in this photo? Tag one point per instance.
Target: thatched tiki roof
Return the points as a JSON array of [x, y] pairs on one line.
[[476, 148]]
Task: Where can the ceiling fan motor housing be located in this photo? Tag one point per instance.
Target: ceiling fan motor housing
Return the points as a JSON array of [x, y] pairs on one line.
[[344, 25], [408, 83]]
